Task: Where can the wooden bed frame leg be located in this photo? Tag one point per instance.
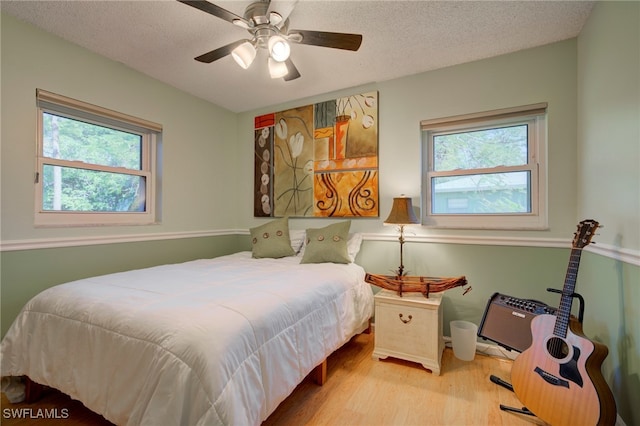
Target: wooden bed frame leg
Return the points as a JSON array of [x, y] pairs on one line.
[[319, 374], [32, 390]]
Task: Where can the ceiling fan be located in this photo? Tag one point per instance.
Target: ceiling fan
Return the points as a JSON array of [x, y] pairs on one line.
[[269, 30]]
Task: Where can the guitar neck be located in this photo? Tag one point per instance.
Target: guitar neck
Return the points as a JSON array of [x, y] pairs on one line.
[[566, 301]]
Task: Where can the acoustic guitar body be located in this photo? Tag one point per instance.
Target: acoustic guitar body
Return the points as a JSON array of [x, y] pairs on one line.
[[559, 379]]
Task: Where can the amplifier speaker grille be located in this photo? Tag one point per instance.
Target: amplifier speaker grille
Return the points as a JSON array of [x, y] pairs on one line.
[[507, 320]]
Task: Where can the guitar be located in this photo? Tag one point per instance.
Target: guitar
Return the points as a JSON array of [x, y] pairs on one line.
[[558, 377]]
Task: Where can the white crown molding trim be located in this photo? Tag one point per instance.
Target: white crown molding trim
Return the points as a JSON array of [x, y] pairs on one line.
[[624, 255], [45, 243], [616, 253], [489, 240]]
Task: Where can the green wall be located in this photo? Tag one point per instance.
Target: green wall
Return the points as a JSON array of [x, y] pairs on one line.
[[612, 292], [608, 171], [24, 273], [609, 122], [198, 141], [590, 84], [544, 74], [515, 271]]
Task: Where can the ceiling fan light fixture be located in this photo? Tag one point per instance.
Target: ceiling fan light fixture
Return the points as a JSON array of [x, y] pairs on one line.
[[279, 48], [275, 18], [244, 54], [242, 24], [269, 31], [277, 69]]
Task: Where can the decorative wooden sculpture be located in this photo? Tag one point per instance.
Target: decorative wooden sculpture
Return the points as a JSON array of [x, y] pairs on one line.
[[425, 285]]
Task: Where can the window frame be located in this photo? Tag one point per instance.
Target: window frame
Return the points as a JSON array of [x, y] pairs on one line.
[[532, 115], [150, 133]]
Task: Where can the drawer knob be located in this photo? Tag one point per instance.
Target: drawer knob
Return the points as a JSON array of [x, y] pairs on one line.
[[405, 320]]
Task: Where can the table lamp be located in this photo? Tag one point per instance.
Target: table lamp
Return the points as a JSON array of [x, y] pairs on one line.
[[401, 214]]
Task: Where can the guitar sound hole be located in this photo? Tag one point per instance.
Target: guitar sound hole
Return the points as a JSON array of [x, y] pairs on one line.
[[557, 348]]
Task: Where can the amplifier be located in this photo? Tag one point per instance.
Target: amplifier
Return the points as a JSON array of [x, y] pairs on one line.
[[507, 320]]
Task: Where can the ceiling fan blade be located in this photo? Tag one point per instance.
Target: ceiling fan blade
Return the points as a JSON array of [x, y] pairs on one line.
[[293, 72], [218, 53], [214, 10], [326, 39]]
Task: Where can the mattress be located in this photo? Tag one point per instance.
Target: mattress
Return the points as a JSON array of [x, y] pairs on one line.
[[212, 341]]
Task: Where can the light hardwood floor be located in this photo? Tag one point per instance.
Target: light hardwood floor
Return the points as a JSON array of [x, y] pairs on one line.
[[362, 391]]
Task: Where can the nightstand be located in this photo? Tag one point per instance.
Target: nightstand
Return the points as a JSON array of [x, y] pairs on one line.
[[409, 328]]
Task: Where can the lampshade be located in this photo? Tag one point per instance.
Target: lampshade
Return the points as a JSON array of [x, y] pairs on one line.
[[244, 54], [402, 212], [279, 48], [277, 69]]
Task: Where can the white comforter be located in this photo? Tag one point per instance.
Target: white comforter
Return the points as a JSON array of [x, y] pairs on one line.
[[216, 341]]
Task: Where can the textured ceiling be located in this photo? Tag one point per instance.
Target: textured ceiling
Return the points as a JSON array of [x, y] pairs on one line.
[[161, 38]]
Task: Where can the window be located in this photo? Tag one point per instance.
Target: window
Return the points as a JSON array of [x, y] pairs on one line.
[[94, 166], [486, 170]]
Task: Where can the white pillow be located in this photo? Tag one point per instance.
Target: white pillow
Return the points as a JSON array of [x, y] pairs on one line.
[[297, 237], [353, 244]]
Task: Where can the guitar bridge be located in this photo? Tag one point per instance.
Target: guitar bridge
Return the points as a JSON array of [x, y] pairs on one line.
[[550, 378]]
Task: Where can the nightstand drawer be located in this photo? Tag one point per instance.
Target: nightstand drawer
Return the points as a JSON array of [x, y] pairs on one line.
[[403, 328]]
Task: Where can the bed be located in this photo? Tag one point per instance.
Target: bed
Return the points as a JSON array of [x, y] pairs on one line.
[[212, 341]]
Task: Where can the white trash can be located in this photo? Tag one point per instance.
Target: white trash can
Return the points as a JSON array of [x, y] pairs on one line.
[[463, 339]]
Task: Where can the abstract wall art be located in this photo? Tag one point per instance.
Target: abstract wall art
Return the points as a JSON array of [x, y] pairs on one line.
[[318, 160]]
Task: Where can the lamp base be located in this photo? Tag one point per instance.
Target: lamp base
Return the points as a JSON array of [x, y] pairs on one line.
[[400, 272]]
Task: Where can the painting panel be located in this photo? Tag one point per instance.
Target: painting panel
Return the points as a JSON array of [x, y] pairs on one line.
[[346, 193], [263, 168], [293, 162], [325, 159]]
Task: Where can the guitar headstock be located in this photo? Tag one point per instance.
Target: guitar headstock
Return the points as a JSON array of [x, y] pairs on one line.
[[584, 234]]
